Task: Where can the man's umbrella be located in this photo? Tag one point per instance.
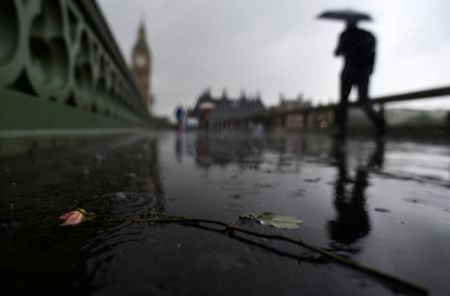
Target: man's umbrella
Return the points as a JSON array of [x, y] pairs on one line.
[[345, 15]]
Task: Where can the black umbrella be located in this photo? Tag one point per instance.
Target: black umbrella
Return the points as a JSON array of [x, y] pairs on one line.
[[345, 15]]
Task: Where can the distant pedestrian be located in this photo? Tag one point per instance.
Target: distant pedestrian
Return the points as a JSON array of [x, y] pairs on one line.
[[358, 47], [179, 115]]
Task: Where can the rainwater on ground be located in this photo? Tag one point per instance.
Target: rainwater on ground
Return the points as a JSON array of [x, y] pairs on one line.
[[384, 204]]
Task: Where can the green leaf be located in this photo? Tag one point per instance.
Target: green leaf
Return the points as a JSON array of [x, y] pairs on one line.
[[274, 220]]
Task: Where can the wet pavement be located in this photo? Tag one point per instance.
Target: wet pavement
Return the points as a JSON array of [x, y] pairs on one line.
[[383, 204]]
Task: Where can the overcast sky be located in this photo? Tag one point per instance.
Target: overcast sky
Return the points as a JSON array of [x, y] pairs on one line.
[[278, 46]]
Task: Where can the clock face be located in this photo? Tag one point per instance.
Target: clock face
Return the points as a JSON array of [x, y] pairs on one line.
[[140, 61]]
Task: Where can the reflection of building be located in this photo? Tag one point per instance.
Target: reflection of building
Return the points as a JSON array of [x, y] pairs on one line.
[[141, 65], [223, 107], [293, 121], [215, 150]]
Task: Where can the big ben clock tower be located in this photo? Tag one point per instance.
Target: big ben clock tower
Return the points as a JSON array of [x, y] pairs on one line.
[[141, 65]]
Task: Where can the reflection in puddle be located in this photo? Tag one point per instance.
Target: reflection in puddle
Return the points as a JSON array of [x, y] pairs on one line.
[[354, 199], [352, 220]]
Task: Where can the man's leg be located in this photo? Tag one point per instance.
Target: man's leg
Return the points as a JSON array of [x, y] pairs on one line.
[[363, 98], [341, 109]]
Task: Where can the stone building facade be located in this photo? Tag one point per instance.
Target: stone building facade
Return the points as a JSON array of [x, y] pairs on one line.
[[223, 107]]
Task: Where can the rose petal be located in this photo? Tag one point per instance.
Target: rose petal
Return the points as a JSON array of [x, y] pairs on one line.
[[66, 215], [75, 218]]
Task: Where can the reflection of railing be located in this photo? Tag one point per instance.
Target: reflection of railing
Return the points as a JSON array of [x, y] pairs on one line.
[[274, 114], [61, 58]]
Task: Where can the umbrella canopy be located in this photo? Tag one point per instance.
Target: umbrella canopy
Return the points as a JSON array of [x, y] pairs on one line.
[[345, 15]]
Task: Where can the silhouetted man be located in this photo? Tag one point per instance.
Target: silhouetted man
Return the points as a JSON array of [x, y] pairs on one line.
[[358, 49]]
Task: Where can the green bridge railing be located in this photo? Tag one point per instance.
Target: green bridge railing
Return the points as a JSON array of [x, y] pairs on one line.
[[60, 67]]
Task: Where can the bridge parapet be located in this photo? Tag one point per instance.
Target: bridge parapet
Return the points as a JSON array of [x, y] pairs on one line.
[[58, 58], [310, 114]]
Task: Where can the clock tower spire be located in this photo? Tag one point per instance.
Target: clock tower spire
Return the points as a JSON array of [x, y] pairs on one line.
[[141, 65]]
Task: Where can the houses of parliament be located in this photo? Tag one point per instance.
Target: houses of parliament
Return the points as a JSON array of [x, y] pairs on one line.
[[141, 66]]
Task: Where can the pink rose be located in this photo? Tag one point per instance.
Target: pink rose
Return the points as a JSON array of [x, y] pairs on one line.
[[72, 218]]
